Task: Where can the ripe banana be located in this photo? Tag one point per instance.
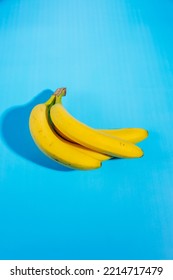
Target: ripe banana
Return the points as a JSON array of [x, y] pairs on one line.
[[53, 145], [66, 125], [133, 135]]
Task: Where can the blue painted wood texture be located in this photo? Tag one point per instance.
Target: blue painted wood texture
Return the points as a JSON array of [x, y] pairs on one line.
[[115, 58]]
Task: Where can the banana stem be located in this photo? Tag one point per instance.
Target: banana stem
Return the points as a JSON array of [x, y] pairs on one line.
[[50, 100], [59, 93]]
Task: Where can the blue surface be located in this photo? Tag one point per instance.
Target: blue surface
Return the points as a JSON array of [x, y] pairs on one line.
[[116, 60]]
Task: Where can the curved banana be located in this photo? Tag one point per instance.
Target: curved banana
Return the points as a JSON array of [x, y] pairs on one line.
[[53, 145], [87, 136], [133, 135]]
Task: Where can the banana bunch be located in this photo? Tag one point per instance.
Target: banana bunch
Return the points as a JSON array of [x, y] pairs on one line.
[[72, 143]]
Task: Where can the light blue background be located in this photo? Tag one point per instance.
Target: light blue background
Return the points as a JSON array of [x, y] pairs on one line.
[[116, 59]]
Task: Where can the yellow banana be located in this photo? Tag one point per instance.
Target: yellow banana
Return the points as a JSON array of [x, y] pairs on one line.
[[54, 145], [133, 135], [88, 137]]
